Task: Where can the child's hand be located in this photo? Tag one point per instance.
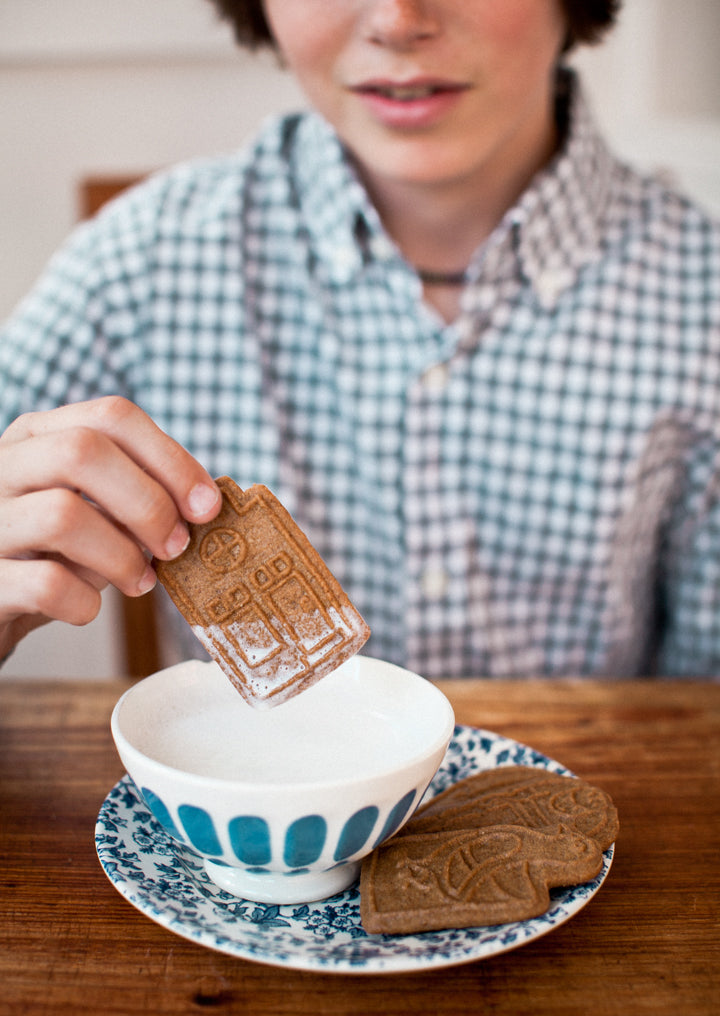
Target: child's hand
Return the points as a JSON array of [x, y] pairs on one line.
[[87, 492]]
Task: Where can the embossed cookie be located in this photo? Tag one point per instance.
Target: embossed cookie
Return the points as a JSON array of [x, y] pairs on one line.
[[520, 795], [261, 599], [469, 877], [486, 851]]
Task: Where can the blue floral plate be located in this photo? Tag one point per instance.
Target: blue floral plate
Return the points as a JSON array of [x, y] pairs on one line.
[[169, 885]]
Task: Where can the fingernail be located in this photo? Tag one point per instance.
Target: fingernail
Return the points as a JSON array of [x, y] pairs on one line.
[[148, 580], [202, 498], [177, 541]]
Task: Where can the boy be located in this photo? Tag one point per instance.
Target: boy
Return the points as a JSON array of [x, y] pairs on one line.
[[475, 356]]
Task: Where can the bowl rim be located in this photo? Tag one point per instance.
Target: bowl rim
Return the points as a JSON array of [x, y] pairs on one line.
[[258, 786]]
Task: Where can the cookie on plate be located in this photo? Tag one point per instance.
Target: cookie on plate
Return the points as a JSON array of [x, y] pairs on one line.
[[487, 851], [520, 795]]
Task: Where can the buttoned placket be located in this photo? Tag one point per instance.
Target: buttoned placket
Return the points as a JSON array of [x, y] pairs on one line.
[[425, 578], [433, 536], [442, 564]]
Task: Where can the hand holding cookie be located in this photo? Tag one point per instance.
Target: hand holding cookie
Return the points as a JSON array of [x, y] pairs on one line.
[[86, 492]]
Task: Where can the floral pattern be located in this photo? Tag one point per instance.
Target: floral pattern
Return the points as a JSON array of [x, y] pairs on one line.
[[169, 884]]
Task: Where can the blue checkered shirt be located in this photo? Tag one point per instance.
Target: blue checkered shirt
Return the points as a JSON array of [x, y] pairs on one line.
[[530, 490]]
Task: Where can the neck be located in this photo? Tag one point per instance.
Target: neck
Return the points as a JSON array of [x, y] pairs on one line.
[[439, 223], [437, 230]]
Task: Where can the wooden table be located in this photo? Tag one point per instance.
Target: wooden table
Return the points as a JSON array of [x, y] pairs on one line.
[[648, 942]]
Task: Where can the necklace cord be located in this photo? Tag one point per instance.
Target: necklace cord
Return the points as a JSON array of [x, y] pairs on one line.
[[431, 278]]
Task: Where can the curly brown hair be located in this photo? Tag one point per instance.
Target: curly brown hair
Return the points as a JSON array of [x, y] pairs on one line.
[[587, 21]]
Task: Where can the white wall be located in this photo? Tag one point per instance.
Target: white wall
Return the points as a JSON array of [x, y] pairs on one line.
[[99, 86], [655, 87]]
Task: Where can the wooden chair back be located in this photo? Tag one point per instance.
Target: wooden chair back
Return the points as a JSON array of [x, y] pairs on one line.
[[140, 629]]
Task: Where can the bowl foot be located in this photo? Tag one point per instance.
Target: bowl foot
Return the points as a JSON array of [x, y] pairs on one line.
[[272, 887]]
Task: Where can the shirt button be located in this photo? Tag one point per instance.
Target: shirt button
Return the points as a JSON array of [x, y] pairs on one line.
[[382, 247], [345, 258], [434, 583], [551, 283], [435, 378]]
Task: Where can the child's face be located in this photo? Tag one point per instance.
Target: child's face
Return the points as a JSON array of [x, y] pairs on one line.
[[427, 91]]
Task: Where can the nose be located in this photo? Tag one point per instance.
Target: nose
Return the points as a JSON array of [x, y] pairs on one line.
[[400, 24]]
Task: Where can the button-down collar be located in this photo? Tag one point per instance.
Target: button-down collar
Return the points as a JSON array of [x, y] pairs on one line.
[[555, 228], [559, 219]]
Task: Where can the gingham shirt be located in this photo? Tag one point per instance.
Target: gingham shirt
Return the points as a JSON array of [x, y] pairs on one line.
[[530, 490]]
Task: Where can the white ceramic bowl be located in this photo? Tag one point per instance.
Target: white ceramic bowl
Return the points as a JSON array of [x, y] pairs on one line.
[[283, 804]]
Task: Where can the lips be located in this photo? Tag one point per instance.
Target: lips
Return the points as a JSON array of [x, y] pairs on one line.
[[405, 93], [407, 104]]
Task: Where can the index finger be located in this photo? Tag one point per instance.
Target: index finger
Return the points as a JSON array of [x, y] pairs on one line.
[[190, 485]]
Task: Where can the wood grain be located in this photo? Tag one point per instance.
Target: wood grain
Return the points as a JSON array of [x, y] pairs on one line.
[[647, 943]]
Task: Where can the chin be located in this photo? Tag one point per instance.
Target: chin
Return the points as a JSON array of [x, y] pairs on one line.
[[411, 163]]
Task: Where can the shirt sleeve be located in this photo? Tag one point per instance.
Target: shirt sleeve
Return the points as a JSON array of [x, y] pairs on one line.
[[690, 583], [77, 333]]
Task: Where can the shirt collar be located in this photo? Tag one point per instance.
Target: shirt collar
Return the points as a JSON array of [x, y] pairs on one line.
[[558, 221], [556, 225], [336, 209]]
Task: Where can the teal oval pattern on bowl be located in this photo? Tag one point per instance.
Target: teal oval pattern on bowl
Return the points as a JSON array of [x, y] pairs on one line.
[[300, 845]]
